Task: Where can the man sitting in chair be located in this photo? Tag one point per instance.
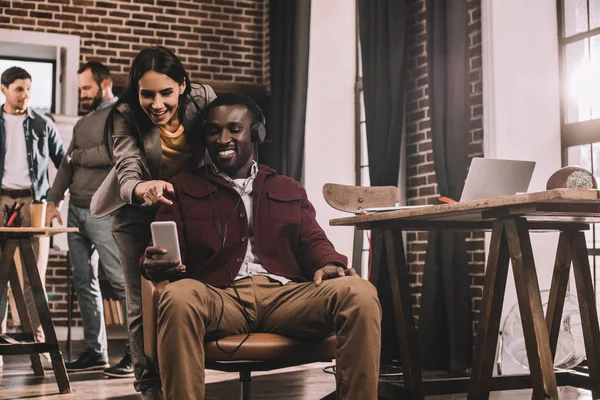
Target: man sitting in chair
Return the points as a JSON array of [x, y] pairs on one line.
[[254, 259]]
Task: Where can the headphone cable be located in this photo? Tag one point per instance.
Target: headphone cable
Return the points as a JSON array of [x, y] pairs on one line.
[[223, 236]]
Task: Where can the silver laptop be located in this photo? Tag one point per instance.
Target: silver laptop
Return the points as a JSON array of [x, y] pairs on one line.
[[489, 177]]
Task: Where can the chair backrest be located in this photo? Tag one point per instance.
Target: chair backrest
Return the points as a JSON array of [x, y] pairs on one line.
[[352, 198]]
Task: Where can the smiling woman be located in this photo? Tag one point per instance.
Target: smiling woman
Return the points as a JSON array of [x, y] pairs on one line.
[[159, 98], [151, 133]]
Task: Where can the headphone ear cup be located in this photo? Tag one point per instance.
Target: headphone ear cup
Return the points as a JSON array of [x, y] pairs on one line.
[[262, 132], [258, 132]]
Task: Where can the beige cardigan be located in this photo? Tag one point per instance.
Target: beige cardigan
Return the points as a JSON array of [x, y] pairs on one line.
[[134, 164]]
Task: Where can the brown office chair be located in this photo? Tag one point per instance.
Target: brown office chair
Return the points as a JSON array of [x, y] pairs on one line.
[[352, 198], [261, 352]]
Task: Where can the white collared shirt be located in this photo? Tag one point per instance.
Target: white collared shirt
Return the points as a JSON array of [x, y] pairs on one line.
[[16, 168], [251, 266]]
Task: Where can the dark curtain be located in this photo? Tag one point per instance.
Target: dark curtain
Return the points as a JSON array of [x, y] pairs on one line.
[[382, 25], [382, 28], [445, 326], [289, 36]]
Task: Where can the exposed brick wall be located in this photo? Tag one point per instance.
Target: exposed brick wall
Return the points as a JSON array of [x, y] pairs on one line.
[[421, 181], [476, 243], [219, 41], [56, 287]]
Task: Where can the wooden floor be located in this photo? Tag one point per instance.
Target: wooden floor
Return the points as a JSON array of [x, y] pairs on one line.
[[303, 383]]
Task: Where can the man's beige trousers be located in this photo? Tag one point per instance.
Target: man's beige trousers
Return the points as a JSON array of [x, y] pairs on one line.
[[349, 307]]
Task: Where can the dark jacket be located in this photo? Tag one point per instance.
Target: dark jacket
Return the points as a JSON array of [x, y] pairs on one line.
[[289, 241], [42, 141]]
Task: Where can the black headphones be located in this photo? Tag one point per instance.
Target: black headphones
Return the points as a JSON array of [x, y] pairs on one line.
[[258, 128]]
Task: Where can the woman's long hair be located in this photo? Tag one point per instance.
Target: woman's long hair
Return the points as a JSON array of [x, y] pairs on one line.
[[158, 59]]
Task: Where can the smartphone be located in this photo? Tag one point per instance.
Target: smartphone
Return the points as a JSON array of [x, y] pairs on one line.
[[164, 236]]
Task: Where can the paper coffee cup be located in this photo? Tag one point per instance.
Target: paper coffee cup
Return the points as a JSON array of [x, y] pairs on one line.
[[37, 212]]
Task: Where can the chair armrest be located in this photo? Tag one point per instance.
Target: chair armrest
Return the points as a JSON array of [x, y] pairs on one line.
[[151, 293]]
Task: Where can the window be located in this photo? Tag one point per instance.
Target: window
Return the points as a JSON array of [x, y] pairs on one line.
[[579, 51], [43, 81]]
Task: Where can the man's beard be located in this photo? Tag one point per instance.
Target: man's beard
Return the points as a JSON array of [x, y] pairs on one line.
[[20, 106], [96, 101]]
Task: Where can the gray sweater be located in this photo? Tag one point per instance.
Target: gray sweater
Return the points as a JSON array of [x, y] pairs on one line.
[[86, 164]]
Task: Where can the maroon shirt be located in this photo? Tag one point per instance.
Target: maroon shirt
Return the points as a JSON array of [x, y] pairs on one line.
[[289, 241]]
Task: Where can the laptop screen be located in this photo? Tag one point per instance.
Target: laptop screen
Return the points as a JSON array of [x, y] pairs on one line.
[[489, 177]]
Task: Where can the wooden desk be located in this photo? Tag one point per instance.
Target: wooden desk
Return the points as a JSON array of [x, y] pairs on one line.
[[25, 343], [510, 219]]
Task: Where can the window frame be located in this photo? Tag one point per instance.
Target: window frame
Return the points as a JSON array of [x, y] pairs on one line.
[[575, 133]]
